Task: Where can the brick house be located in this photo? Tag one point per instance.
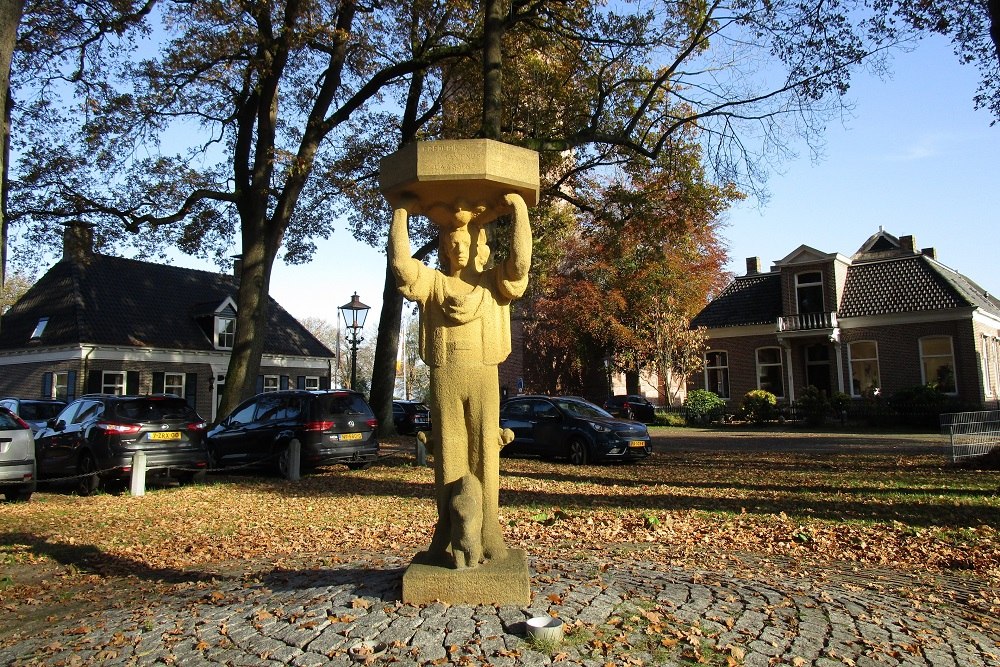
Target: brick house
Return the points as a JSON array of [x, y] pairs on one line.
[[97, 323], [889, 318]]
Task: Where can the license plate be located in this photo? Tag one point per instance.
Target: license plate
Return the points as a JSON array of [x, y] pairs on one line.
[[351, 436], [165, 435], [636, 443]]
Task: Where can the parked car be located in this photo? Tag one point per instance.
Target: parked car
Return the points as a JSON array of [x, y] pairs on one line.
[[553, 426], [17, 457], [409, 417], [331, 427], [34, 411], [95, 437], [631, 406]]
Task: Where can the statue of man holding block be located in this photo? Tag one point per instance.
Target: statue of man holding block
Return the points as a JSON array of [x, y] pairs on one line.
[[464, 335]]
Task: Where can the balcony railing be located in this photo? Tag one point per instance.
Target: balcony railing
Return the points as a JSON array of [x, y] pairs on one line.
[[808, 322]]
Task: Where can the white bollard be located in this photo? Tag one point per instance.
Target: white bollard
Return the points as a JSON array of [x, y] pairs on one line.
[[138, 487], [294, 459]]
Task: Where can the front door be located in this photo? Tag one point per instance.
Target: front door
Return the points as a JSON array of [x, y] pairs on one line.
[[818, 372]]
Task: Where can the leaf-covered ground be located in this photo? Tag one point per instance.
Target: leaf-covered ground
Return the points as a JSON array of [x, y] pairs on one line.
[[703, 496]]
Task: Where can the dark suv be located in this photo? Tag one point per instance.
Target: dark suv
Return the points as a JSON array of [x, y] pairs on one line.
[[95, 437], [409, 417], [330, 426]]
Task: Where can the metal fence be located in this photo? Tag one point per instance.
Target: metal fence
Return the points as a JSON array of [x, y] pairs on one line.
[[971, 434]]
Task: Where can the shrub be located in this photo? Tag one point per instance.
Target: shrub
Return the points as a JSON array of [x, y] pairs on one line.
[[669, 419], [813, 406], [703, 406], [759, 406]]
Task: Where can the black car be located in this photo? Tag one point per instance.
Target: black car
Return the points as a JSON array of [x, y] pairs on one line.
[[553, 426], [35, 411], [95, 437], [331, 427], [409, 417], [631, 406]]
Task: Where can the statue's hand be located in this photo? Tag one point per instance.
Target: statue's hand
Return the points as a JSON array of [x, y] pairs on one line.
[[513, 199], [410, 204]]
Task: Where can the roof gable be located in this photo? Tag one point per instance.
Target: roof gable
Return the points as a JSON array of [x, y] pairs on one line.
[[123, 302]]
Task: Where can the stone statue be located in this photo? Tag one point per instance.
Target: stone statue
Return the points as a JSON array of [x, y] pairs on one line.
[[464, 335]]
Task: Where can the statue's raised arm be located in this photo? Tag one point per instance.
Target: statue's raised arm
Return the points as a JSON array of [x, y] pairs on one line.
[[514, 277]]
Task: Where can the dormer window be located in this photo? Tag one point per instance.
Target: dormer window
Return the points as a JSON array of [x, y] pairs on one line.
[[39, 329], [809, 292], [225, 332]]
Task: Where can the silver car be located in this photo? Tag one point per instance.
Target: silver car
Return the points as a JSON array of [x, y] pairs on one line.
[[17, 457]]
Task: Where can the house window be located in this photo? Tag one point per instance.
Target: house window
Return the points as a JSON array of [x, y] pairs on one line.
[[225, 332], [39, 328], [173, 383], [937, 363], [864, 367], [809, 292], [986, 356], [769, 371], [270, 383], [717, 373], [113, 382], [312, 383], [60, 386]]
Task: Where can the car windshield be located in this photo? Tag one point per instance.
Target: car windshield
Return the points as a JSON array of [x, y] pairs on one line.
[[582, 409], [333, 405], [39, 411], [154, 409]]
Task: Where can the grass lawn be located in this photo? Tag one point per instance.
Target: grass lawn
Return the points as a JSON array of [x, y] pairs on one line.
[[863, 499]]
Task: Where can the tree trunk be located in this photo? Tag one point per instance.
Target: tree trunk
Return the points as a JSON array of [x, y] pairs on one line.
[[10, 17], [386, 349], [252, 303], [492, 72]]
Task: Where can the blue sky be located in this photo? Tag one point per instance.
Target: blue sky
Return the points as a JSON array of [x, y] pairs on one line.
[[914, 158]]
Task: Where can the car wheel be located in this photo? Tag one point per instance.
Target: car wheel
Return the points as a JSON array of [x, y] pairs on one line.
[[364, 465], [196, 477], [20, 494], [629, 414], [86, 468], [284, 462], [213, 458], [578, 452]]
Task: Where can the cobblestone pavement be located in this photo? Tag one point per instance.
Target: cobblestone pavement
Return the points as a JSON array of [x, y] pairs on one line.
[[618, 610]]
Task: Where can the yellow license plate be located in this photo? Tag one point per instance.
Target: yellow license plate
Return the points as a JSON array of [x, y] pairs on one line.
[[165, 435], [636, 443], [351, 436]]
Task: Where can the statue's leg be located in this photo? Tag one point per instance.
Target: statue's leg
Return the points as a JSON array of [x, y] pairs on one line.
[[450, 461], [488, 468]]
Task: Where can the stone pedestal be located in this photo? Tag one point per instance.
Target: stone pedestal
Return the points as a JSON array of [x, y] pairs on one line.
[[503, 581]]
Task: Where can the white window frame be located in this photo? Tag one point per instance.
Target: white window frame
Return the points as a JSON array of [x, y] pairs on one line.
[[225, 332], [986, 357], [174, 383], [950, 356], [780, 365], [271, 383], [850, 364], [799, 284], [724, 369], [60, 380], [312, 383], [110, 384]]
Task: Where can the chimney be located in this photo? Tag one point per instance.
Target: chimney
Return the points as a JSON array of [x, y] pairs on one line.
[[237, 265], [78, 241], [929, 252], [753, 265], [908, 242]]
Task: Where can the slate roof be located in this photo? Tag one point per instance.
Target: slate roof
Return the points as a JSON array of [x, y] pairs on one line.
[[124, 302], [748, 300]]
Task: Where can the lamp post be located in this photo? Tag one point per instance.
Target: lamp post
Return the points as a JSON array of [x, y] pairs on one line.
[[354, 314]]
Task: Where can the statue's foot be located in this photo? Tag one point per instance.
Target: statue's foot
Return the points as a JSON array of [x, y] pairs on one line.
[[494, 548]]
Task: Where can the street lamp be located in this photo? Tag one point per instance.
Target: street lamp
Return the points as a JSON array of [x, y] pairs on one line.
[[354, 314]]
